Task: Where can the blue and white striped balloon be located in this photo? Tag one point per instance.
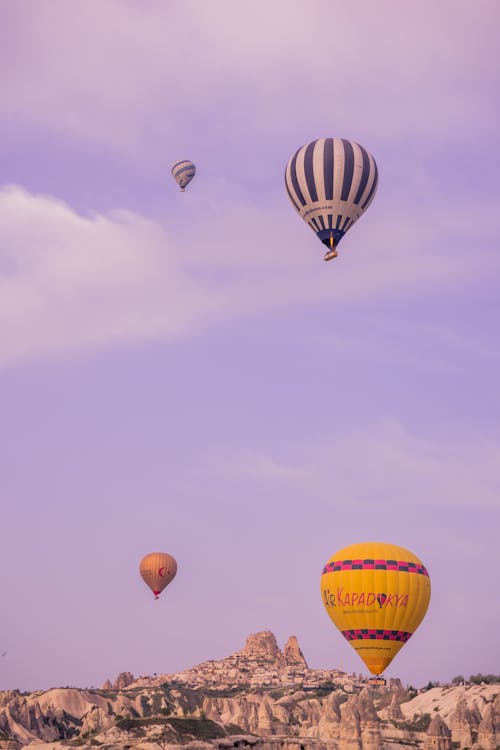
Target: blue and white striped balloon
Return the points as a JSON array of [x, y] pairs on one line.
[[183, 172], [331, 182]]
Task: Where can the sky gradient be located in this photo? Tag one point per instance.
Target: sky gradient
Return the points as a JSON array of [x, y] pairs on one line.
[[182, 372]]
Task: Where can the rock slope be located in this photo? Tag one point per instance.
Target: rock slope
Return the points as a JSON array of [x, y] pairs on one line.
[[232, 710]]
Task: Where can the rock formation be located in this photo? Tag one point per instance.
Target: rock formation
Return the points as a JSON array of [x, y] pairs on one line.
[[261, 646], [487, 738], [123, 680], [292, 653], [328, 725], [395, 684], [260, 698], [475, 713], [369, 721], [394, 711], [438, 735], [463, 724], [350, 727], [265, 719]]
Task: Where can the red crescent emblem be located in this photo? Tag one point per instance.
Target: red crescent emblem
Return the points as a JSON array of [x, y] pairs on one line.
[[161, 572]]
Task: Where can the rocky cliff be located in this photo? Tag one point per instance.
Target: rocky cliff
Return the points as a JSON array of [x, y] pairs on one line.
[[144, 715]]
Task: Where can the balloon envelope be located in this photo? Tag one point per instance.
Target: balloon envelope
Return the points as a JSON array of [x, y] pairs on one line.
[[331, 182], [376, 594], [157, 570], [183, 172]]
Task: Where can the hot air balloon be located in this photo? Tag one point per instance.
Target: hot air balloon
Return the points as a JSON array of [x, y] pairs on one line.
[[157, 570], [183, 172], [377, 595], [331, 182]]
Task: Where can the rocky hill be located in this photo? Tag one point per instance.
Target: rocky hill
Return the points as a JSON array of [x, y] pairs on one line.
[[259, 663], [220, 705]]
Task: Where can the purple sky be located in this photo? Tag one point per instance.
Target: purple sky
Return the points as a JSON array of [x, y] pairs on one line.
[[182, 372]]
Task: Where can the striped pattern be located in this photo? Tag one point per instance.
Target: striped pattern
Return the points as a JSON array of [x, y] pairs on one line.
[[331, 182], [183, 172], [373, 564], [370, 634]]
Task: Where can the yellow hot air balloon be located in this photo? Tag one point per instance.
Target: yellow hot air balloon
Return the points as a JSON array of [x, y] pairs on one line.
[[377, 595], [157, 570]]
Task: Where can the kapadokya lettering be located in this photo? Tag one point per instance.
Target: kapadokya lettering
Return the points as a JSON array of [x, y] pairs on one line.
[[343, 598]]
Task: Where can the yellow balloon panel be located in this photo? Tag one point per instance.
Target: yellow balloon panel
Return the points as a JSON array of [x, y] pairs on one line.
[[376, 594], [157, 570]]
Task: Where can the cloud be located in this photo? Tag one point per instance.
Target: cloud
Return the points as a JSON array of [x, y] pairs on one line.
[[137, 76], [75, 282], [384, 463]]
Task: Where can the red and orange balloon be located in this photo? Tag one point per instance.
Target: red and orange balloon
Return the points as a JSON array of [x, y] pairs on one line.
[[157, 570]]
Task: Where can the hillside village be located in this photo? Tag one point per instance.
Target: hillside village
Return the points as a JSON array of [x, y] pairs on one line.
[[259, 664], [260, 698]]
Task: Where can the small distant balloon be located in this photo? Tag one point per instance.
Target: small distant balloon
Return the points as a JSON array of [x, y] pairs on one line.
[[183, 172], [376, 594], [157, 570], [331, 182]]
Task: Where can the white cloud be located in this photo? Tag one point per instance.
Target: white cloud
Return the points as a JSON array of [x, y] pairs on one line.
[[72, 282]]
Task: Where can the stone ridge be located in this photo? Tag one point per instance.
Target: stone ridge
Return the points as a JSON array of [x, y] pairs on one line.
[[260, 698], [175, 718]]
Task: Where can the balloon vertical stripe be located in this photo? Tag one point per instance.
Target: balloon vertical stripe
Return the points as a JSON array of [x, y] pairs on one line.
[[348, 169], [295, 182], [328, 168], [364, 175], [373, 187], [309, 171], [338, 169], [297, 207]]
